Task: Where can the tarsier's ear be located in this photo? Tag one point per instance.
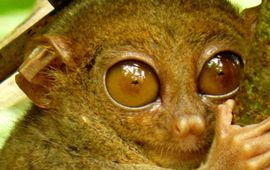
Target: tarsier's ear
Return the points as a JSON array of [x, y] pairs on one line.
[[251, 16], [49, 52]]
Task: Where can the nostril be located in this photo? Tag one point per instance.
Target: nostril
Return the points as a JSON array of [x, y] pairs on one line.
[[181, 126], [192, 124], [197, 124]]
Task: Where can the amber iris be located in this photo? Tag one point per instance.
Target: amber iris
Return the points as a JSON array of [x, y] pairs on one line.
[[221, 74], [132, 83]]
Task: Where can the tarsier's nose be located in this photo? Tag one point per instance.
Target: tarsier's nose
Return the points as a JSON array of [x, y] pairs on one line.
[[189, 125]]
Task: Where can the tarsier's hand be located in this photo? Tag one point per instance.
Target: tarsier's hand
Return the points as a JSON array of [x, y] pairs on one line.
[[239, 148]]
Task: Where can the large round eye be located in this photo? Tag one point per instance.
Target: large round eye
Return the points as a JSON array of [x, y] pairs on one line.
[[132, 83], [221, 74]]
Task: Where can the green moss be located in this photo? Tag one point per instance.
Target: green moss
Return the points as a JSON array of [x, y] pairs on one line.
[[253, 104]]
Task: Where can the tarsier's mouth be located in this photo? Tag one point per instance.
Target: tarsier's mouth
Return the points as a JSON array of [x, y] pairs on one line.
[[193, 143]]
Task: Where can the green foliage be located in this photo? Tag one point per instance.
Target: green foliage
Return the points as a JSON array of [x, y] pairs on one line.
[[8, 6], [12, 13], [245, 4], [8, 117]]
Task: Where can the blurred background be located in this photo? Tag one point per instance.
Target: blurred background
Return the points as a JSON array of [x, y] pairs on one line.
[[12, 13]]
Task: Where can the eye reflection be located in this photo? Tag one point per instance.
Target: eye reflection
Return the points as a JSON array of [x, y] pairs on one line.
[[134, 70], [221, 74], [132, 83], [217, 64]]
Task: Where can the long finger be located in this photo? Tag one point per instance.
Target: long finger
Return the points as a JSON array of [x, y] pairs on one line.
[[257, 130], [259, 162], [258, 145], [224, 117]]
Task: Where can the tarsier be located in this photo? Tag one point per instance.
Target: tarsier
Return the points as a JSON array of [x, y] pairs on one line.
[[138, 85]]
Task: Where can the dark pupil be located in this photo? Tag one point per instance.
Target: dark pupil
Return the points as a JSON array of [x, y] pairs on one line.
[[224, 67], [228, 71], [220, 75], [135, 82]]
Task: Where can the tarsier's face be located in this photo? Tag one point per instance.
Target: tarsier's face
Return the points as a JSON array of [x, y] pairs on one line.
[[157, 75], [165, 101]]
